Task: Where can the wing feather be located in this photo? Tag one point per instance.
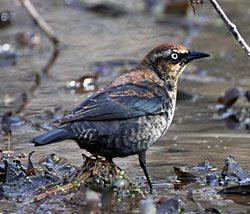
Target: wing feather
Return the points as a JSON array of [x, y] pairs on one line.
[[120, 102]]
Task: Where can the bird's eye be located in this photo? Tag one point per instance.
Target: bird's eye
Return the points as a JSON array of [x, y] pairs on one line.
[[174, 56]]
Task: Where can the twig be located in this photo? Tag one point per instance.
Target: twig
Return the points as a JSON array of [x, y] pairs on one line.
[[63, 188], [231, 26], [50, 62], [40, 22]]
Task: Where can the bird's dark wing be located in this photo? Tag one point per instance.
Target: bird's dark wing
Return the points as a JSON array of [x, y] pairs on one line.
[[120, 102]]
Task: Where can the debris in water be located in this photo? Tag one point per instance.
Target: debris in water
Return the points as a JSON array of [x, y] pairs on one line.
[[230, 97], [86, 83], [231, 174], [236, 117], [184, 176], [97, 184], [8, 55], [204, 166], [239, 194], [241, 190], [57, 176], [28, 39], [234, 172], [6, 18]]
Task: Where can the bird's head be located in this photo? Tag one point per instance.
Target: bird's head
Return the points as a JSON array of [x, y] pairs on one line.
[[169, 60]]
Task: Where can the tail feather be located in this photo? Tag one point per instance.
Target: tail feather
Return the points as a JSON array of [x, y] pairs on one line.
[[53, 136]]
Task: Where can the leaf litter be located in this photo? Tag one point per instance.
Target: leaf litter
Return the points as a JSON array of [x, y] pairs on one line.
[[233, 107], [100, 184], [232, 182], [55, 176]]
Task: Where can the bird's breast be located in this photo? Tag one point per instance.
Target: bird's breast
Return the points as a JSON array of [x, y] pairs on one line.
[[145, 130], [169, 114]]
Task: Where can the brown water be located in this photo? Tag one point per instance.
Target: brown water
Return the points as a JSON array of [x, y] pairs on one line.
[[88, 38]]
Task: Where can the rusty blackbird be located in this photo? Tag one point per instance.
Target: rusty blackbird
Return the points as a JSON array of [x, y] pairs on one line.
[[132, 112]]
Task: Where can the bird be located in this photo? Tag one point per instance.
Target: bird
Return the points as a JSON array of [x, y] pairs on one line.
[[131, 113]]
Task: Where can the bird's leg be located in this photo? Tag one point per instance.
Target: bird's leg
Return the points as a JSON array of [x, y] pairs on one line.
[[9, 139], [142, 160]]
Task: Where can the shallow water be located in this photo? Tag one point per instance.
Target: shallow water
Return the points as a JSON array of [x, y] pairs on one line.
[[194, 135]]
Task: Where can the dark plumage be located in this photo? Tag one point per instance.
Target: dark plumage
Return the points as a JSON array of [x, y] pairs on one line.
[[132, 112]]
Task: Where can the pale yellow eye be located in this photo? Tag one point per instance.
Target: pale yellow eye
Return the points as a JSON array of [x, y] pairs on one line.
[[174, 56]]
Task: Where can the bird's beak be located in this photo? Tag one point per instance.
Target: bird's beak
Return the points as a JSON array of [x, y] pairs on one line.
[[195, 55]]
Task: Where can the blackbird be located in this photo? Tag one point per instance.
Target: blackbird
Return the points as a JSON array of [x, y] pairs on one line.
[[132, 112]]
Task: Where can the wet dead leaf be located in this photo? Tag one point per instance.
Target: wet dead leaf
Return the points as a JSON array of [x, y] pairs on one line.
[[235, 117], [184, 175], [31, 170], [232, 167], [239, 194], [240, 189], [230, 97]]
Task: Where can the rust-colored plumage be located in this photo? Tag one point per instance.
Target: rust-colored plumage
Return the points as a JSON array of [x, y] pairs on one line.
[[132, 112]]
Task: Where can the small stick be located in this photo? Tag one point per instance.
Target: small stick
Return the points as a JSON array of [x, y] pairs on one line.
[[50, 62], [40, 21], [231, 26]]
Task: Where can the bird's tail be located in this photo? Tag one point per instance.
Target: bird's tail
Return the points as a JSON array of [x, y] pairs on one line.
[[53, 136]]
